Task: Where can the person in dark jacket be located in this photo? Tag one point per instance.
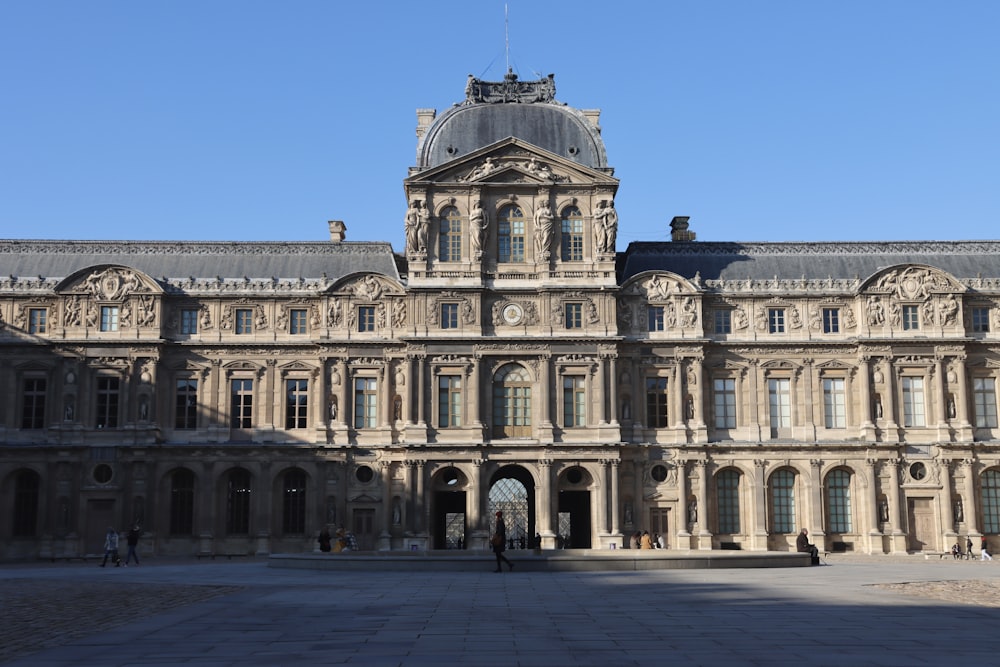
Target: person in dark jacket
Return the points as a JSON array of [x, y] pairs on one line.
[[499, 543], [132, 539], [802, 546]]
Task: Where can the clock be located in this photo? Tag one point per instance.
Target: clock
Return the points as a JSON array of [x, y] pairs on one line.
[[512, 313]]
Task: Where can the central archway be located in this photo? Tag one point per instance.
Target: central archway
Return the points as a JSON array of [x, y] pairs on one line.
[[512, 491]]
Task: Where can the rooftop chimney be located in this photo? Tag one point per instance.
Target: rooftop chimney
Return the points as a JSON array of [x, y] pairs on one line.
[[338, 230], [679, 229]]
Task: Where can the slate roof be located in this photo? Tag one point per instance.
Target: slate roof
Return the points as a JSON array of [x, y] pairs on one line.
[[845, 260], [186, 259]]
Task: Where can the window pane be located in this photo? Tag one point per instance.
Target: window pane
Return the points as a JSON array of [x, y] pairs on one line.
[[656, 402], [834, 403], [991, 501], [838, 489], [728, 487], [780, 401], [985, 402], [187, 404], [572, 235], [297, 403], [913, 401], [33, 410], [725, 402], [783, 501]]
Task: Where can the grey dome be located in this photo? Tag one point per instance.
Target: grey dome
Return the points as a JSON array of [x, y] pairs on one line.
[[524, 110]]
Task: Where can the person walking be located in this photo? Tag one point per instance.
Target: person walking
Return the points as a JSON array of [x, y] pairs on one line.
[[111, 547], [645, 542], [132, 539], [983, 553], [968, 547], [499, 543]]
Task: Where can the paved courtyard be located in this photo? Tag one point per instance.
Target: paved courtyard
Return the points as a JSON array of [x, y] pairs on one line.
[[855, 611]]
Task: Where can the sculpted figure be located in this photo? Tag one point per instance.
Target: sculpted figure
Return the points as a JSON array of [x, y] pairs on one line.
[[417, 219], [477, 229], [605, 227], [543, 230]]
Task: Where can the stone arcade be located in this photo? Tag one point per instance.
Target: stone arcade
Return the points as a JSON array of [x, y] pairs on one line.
[[234, 398]]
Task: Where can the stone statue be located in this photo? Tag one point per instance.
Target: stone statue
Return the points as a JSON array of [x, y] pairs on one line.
[[606, 227], [543, 230], [477, 229], [417, 219]]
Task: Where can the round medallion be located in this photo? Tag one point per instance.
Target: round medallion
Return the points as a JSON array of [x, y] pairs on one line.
[[512, 313]]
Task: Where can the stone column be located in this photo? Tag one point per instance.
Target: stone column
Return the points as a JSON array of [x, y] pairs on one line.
[[871, 507], [613, 393], [474, 391], [862, 388], [385, 537], [683, 533], [704, 536], [676, 396], [408, 404], [421, 389], [599, 380], [616, 530], [942, 395], [262, 501], [601, 520], [698, 395], [340, 389], [891, 430], [545, 395], [760, 507], [419, 521], [411, 510], [544, 503], [969, 497], [817, 528], [962, 401], [947, 514], [894, 494]]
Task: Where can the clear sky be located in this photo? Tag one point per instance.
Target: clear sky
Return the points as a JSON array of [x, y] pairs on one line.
[[247, 120]]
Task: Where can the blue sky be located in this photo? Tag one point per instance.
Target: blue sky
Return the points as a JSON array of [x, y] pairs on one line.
[[224, 120]]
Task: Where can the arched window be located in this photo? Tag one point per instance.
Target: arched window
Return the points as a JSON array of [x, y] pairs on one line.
[[238, 502], [572, 235], [450, 236], [511, 402], [510, 234], [26, 486], [182, 502], [294, 503], [727, 487], [783, 501], [838, 501], [991, 501]]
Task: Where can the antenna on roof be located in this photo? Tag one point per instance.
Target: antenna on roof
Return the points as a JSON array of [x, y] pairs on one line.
[[506, 36]]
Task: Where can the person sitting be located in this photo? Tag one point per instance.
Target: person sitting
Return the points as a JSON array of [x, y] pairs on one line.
[[956, 551], [802, 546]]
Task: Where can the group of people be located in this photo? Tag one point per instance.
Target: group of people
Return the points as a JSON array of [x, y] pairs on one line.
[[984, 554], [643, 540], [343, 540], [111, 540]]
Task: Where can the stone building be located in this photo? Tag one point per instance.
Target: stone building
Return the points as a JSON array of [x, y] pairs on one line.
[[238, 397]]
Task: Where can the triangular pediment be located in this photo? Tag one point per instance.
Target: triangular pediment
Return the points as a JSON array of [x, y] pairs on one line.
[[510, 160]]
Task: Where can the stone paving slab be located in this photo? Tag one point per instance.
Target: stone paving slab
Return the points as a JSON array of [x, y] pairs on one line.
[[856, 611]]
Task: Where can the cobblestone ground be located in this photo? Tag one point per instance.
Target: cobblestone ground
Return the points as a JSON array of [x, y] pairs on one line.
[[38, 614], [976, 592]]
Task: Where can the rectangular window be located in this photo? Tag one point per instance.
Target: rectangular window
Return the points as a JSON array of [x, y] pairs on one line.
[[834, 403], [776, 320], [449, 401], [728, 498], [654, 315], [911, 318], [365, 403], [723, 321], [831, 320], [449, 315], [242, 403], [33, 412], [450, 240], [572, 240], [913, 401], [984, 396], [296, 403], [244, 320], [189, 321], [297, 321], [574, 315], [510, 241], [109, 318], [980, 320], [779, 397], [366, 318], [36, 320], [107, 402], [574, 401], [783, 501], [724, 390], [656, 402], [186, 413]]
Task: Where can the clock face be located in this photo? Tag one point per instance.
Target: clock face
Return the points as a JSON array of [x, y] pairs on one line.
[[512, 313]]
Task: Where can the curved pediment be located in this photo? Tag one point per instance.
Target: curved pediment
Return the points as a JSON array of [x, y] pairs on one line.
[[109, 282], [658, 285], [367, 286], [911, 282]]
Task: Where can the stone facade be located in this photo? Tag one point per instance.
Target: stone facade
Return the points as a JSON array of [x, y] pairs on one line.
[[238, 397]]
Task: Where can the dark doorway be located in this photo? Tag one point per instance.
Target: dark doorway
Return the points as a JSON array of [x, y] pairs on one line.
[[577, 505], [364, 528], [447, 503], [512, 491]]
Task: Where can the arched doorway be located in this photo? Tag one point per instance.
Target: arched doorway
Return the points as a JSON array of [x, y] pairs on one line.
[[448, 517], [512, 491], [574, 527]]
